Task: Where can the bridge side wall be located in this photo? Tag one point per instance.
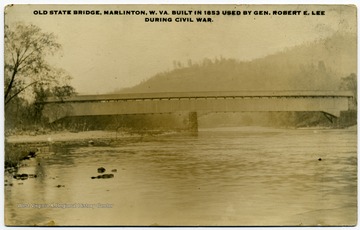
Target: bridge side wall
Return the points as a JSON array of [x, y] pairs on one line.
[[331, 105]]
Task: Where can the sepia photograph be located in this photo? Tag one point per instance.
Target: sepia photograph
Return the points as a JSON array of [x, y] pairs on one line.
[[183, 115]]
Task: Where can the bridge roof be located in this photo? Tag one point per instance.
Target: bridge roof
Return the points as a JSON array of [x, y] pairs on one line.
[[208, 94]]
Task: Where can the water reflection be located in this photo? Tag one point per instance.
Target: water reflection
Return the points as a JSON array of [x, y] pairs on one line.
[[220, 177]]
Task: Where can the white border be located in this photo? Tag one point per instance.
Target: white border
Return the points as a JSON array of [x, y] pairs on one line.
[[3, 3]]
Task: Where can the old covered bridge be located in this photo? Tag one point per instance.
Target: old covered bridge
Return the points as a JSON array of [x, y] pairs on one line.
[[328, 102]]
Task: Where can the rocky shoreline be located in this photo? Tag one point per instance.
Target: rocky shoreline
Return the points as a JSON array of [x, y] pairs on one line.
[[19, 147], [22, 147]]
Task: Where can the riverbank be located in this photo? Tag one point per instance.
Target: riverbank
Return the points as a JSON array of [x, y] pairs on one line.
[[19, 146], [66, 136]]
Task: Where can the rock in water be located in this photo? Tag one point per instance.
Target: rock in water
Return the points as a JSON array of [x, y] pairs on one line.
[[23, 176], [105, 176], [101, 170]]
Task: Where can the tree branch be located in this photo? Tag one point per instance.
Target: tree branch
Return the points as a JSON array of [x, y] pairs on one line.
[[11, 82], [17, 93]]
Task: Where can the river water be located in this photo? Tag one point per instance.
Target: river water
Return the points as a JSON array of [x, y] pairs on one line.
[[225, 176]]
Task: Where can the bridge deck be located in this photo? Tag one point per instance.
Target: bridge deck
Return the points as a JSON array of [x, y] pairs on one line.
[[179, 95]]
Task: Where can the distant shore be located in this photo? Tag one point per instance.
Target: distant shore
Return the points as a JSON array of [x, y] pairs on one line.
[[66, 136]]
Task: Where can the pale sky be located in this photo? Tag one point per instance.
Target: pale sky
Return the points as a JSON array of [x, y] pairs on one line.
[[108, 52]]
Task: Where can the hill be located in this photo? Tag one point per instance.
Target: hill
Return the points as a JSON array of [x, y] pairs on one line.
[[318, 65]]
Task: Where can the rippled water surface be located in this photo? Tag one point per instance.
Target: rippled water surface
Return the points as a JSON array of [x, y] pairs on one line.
[[227, 176]]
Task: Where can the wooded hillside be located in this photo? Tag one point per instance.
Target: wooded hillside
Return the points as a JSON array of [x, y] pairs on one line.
[[313, 66]]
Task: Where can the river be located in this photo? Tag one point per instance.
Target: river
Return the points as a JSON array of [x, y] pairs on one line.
[[242, 176]]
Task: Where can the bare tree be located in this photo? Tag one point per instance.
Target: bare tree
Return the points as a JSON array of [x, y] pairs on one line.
[[26, 49]]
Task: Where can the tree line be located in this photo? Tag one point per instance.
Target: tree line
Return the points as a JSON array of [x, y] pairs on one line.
[[28, 77]]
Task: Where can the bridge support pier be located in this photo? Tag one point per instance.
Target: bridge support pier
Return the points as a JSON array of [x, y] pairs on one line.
[[193, 122]]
